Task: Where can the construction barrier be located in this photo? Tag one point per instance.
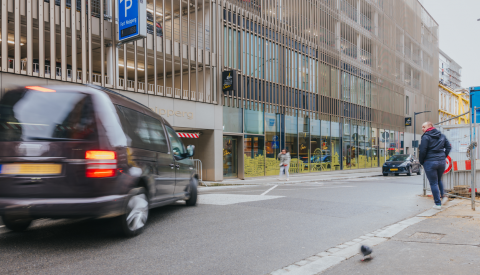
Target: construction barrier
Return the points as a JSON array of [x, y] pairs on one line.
[[460, 175]]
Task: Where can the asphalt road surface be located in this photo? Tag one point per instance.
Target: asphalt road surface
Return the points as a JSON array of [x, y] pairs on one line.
[[246, 230]]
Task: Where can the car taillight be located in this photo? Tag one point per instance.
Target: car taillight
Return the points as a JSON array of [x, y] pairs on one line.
[[101, 164]]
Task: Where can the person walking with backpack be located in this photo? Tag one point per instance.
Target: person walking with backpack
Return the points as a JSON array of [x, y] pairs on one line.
[[434, 149], [284, 158]]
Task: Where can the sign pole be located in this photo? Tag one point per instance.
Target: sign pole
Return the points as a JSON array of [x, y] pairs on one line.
[[473, 138]]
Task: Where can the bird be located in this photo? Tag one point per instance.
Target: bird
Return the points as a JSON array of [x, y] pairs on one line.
[[366, 251]]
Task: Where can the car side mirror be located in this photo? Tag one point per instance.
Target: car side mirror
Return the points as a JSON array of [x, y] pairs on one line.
[[190, 151]]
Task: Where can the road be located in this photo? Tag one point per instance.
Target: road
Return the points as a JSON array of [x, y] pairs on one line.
[[231, 231]]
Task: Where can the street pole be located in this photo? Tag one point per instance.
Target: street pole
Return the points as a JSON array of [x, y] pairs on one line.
[[414, 128], [415, 132], [473, 140]]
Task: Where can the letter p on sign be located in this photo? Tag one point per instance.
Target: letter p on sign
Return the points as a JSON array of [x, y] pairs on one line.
[[127, 7]]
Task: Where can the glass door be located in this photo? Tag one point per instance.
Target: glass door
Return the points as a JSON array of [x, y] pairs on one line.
[[230, 158]]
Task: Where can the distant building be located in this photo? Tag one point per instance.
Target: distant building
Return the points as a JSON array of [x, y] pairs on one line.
[[450, 73], [453, 99]]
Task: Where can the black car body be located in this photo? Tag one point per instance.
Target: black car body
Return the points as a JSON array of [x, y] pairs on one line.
[[401, 164], [79, 151]]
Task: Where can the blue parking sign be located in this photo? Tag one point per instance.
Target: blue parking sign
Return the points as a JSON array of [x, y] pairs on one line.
[[132, 20]]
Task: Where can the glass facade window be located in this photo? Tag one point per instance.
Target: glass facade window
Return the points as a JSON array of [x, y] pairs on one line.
[[326, 145], [254, 156], [253, 118], [303, 143], [291, 140], [272, 143], [315, 146], [375, 147], [232, 119], [336, 148], [347, 146]]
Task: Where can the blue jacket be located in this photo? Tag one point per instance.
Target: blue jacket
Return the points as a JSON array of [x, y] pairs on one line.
[[434, 146]]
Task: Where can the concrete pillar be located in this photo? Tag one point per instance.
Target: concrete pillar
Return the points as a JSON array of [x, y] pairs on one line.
[[338, 36], [375, 22], [359, 19], [209, 150], [359, 47], [110, 64]]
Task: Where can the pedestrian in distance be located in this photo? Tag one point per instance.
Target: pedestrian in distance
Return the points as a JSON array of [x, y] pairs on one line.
[[434, 149], [284, 158]]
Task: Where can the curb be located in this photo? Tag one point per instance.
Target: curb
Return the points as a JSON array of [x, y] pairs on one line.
[[287, 182]]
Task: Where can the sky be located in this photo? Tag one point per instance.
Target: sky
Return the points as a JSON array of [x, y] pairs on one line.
[[459, 34]]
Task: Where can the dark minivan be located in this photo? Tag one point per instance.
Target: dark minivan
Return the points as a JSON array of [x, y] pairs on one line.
[[84, 151]]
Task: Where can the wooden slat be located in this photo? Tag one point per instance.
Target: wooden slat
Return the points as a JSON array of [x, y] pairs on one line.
[[4, 35]]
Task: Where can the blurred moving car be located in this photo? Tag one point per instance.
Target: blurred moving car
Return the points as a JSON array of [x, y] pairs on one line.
[[73, 151], [402, 164]]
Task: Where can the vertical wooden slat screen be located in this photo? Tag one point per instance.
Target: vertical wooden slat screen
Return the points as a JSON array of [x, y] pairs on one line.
[[4, 35], [17, 35], [53, 60], [83, 29], [90, 61], [63, 40], [73, 29], [102, 45], [29, 39], [41, 40]]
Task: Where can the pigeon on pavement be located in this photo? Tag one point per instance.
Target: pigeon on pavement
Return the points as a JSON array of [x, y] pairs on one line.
[[366, 251]]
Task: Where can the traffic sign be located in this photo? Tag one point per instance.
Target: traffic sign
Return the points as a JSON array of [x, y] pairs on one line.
[[448, 165], [132, 20]]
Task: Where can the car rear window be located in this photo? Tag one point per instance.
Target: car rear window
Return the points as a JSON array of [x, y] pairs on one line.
[[34, 115]]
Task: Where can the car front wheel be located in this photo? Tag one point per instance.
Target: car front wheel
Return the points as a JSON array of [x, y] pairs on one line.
[[16, 224], [409, 171], [192, 193], [133, 221]]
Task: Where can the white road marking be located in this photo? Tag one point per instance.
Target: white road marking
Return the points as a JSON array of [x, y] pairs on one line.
[[268, 190], [227, 199], [318, 263]]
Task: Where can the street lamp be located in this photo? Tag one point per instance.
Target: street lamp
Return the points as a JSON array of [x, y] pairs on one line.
[[415, 128]]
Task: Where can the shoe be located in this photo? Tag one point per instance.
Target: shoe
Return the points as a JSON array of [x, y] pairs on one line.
[[444, 200], [437, 207]]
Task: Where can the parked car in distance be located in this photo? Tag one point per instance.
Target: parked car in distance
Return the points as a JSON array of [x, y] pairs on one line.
[[84, 151], [402, 164]]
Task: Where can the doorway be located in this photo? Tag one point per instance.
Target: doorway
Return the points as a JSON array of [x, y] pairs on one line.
[[230, 158]]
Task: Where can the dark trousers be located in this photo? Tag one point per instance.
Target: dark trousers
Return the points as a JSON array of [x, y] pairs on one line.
[[434, 171]]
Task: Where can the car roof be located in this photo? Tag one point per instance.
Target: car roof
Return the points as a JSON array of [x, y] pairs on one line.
[[115, 97]]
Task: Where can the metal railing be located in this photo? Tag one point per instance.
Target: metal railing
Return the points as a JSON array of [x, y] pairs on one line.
[[349, 10], [348, 48], [198, 167]]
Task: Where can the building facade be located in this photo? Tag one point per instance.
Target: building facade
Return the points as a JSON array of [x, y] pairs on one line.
[[329, 80], [449, 71], [453, 99]]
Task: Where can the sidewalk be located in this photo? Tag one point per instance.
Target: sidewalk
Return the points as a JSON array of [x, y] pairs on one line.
[[446, 243], [306, 177]]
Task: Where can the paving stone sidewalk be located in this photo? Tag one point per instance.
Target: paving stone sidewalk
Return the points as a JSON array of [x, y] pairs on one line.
[[446, 243]]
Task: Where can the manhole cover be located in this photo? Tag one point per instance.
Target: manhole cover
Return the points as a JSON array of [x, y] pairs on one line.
[[427, 236]]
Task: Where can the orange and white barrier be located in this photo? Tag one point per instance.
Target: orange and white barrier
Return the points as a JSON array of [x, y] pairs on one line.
[[465, 165]]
